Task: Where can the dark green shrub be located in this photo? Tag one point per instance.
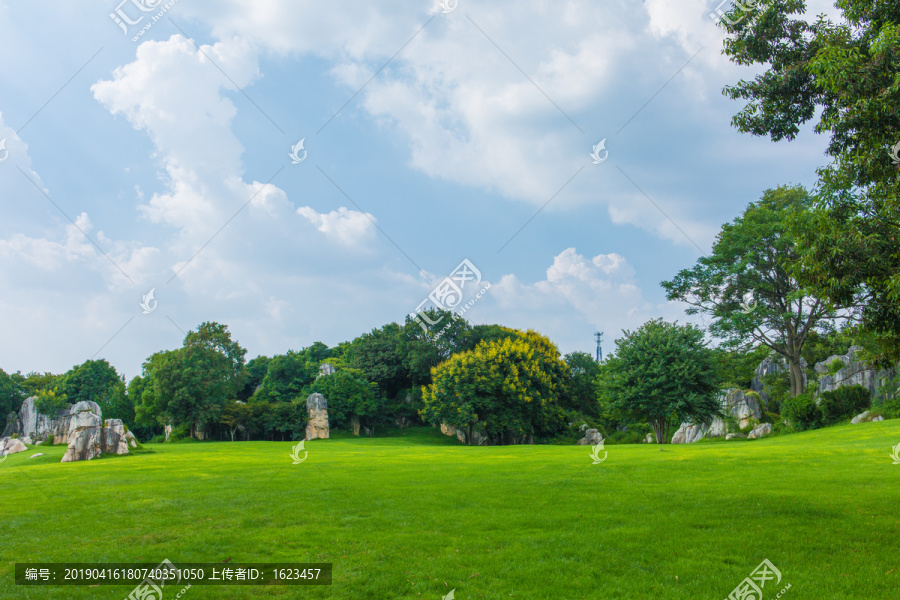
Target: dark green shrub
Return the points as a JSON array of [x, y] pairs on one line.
[[844, 402], [50, 440], [158, 439], [803, 412], [835, 365]]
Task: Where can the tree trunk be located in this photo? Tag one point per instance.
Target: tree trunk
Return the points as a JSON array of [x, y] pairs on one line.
[[796, 374], [469, 434], [660, 429]]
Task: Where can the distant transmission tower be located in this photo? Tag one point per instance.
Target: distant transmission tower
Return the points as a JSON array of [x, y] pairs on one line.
[[599, 337]]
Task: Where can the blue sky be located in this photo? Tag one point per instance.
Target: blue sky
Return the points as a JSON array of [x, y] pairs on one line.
[[177, 146]]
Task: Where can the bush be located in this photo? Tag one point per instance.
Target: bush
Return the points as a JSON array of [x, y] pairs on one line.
[[835, 366], [844, 402], [50, 440], [158, 439], [803, 412], [15, 436]]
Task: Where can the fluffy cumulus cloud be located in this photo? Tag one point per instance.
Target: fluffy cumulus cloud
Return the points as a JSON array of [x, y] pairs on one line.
[[348, 227], [578, 296]]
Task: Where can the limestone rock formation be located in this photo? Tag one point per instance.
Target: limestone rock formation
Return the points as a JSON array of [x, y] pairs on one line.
[[112, 437], [689, 433], [648, 439], [774, 363], [132, 441], [592, 437], [29, 423], [732, 436], [866, 417], [317, 426], [854, 372], [36, 455], [11, 446], [84, 444], [760, 430]]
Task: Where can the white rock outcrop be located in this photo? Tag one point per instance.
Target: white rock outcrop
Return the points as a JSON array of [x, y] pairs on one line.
[[84, 444], [763, 429]]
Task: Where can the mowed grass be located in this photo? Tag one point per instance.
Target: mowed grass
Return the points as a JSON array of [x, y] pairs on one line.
[[415, 516]]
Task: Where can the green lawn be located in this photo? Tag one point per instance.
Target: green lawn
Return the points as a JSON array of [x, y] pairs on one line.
[[415, 516]]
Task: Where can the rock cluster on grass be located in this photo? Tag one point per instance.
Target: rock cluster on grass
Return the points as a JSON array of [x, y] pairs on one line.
[[742, 406], [760, 430], [79, 426], [11, 446], [734, 436], [866, 417], [317, 427], [592, 437], [478, 438]]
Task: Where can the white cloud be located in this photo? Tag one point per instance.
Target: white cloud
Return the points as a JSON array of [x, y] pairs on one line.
[[349, 227]]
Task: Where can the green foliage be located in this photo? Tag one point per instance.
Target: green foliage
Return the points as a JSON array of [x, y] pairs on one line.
[[50, 440], [581, 394], [509, 388], [379, 357], [216, 338], [844, 71], [750, 265], [802, 412], [289, 375], [844, 402], [11, 392], [662, 373], [736, 368], [835, 366], [50, 401], [348, 395], [254, 373]]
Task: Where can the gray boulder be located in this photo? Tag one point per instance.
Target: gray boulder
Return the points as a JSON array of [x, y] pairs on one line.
[[592, 437], [11, 446], [112, 437], [36, 455], [84, 444], [689, 433], [317, 427], [648, 439], [132, 441], [27, 441], [760, 430], [866, 417], [734, 436]]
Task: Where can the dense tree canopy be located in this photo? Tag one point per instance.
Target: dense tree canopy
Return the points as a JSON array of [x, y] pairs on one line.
[[508, 388], [664, 374], [847, 73], [747, 284]]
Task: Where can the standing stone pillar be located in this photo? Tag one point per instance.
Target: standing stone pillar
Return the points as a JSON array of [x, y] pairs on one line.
[[317, 425]]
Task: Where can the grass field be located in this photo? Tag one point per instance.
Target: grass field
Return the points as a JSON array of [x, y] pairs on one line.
[[415, 516]]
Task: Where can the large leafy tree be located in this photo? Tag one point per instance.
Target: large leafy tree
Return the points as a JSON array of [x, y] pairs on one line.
[[348, 395], [581, 394], [378, 355], [847, 73], [662, 373], [11, 394], [216, 337], [97, 381], [192, 385], [288, 375], [509, 387], [747, 284]]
